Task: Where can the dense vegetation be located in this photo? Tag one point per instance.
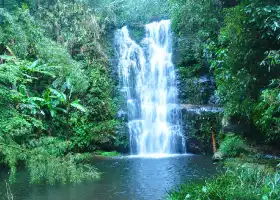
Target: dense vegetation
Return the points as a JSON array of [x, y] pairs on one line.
[[237, 44], [242, 181], [58, 97], [59, 101], [247, 175]]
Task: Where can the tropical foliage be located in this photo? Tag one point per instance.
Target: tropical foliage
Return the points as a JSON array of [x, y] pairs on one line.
[[237, 44], [240, 181], [59, 99], [57, 93]]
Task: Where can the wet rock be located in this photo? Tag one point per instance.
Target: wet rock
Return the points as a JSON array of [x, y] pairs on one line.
[[202, 79], [200, 108], [236, 126], [122, 115], [214, 99], [194, 146], [196, 90], [197, 123], [218, 156]]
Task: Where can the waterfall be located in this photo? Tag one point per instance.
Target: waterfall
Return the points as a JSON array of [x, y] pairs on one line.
[[148, 81]]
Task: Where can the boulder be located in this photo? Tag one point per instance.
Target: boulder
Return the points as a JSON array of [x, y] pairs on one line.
[[218, 156]]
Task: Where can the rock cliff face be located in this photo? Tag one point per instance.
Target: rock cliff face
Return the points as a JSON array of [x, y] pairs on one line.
[[197, 90], [196, 82], [199, 104], [198, 121]]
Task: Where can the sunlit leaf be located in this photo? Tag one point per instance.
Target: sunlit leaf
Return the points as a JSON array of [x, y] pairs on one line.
[[78, 106]]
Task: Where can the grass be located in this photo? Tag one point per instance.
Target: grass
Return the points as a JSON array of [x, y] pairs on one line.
[[233, 146], [247, 181], [107, 154], [246, 177]]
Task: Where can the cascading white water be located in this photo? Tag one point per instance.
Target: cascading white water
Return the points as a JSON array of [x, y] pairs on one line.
[[148, 80]]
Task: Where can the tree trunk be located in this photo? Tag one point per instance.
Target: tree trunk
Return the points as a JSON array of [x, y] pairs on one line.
[[214, 140]]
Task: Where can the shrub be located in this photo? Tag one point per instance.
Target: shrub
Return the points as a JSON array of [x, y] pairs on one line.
[[233, 146], [109, 154], [241, 181], [44, 167]]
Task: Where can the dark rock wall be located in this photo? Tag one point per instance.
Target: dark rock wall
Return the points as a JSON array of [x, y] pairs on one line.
[[198, 122], [200, 110]]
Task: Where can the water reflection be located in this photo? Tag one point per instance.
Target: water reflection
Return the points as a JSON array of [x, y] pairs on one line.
[[124, 178]]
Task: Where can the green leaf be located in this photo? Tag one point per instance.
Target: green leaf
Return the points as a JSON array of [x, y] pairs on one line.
[[36, 99], [60, 95], [78, 106], [7, 58], [61, 109], [53, 112], [22, 90], [34, 64], [204, 189]]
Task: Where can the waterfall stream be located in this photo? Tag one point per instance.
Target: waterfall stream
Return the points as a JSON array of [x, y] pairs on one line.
[[148, 82]]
